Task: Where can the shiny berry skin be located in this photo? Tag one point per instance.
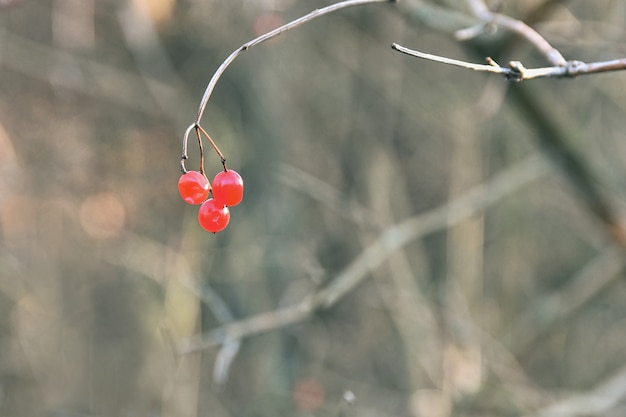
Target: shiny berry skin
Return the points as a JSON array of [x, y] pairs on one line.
[[228, 188], [213, 216], [193, 187]]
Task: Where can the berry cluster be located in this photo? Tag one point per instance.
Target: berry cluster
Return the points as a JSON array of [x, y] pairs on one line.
[[227, 191]]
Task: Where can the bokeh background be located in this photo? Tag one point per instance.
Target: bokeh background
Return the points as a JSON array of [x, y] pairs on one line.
[[515, 306]]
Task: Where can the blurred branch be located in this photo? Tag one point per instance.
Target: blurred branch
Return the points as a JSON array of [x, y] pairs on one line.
[[150, 258], [398, 282], [334, 200], [480, 9], [546, 313], [506, 367], [257, 324], [555, 138], [152, 60], [595, 402], [537, 13], [516, 70], [389, 241], [465, 206], [89, 77]]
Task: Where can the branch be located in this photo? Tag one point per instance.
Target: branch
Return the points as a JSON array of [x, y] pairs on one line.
[[517, 72], [387, 243], [596, 402], [551, 310], [154, 260]]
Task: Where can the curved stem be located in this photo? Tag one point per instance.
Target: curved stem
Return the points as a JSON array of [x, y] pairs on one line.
[[212, 142], [184, 156], [269, 35], [201, 152], [222, 68]]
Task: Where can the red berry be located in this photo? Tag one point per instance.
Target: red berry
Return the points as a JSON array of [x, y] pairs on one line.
[[193, 187], [213, 216], [228, 188]]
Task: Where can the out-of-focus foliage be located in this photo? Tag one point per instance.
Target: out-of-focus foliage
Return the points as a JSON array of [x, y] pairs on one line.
[[100, 260]]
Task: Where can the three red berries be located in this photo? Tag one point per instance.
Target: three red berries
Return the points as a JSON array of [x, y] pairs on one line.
[[227, 191]]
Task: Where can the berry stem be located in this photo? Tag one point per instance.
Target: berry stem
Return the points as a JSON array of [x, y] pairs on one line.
[[212, 142], [201, 151], [184, 156]]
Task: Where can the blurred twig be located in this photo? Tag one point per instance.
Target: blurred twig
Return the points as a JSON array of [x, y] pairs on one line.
[[387, 243], [466, 205], [101, 81], [320, 191], [547, 312], [149, 258], [151, 58], [597, 402], [555, 138], [480, 9], [413, 313]]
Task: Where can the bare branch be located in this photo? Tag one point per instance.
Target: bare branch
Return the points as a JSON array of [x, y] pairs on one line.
[[516, 70], [492, 67]]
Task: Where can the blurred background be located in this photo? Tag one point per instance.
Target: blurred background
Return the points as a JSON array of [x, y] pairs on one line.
[[474, 224]]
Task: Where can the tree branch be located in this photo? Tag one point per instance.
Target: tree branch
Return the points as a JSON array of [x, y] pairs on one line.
[[517, 72]]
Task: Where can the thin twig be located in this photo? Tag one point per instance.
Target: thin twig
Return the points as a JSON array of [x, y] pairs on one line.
[[212, 142], [184, 156], [516, 70], [388, 242], [201, 148]]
